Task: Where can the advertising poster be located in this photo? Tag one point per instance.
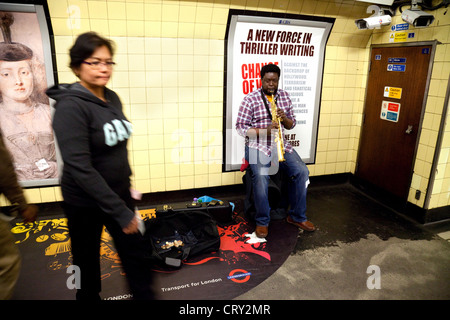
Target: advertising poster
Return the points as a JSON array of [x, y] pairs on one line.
[[26, 71], [297, 45]]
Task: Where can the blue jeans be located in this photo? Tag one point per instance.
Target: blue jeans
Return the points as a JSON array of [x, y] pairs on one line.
[[262, 169]]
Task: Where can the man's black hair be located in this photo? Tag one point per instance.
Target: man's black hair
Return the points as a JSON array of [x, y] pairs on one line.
[[270, 68]]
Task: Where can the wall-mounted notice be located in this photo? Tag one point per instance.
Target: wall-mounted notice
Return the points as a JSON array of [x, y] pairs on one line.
[[392, 92], [400, 27], [297, 45], [396, 60], [396, 67], [390, 111], [401, 36]]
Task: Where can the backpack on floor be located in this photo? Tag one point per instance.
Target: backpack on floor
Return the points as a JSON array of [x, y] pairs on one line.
[[177, 236]]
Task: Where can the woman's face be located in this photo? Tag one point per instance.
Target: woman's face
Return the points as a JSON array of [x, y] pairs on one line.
[[16, 80], [96, 75]]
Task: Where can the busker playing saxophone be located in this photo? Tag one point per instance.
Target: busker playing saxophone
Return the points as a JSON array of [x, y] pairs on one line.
[[255, 123]]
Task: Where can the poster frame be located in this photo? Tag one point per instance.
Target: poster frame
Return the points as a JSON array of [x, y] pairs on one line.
[[258, 16], [45, 30]]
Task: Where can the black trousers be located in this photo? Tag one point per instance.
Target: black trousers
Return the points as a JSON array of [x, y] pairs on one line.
[[85, 228]]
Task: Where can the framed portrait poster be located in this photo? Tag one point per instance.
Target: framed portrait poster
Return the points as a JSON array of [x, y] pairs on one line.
[[26, 71]]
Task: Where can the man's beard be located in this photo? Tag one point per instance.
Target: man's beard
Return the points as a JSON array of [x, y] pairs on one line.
[[267, 92]]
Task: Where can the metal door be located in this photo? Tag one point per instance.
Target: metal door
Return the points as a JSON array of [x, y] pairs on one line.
[[396, 86]]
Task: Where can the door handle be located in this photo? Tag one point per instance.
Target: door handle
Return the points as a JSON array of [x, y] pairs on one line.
[[409, 130]]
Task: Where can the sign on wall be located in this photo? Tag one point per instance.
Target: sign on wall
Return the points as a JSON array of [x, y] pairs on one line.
[[296, 44], [390, 111]]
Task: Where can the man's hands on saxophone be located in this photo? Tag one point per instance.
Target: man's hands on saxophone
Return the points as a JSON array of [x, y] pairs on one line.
[[287, 123]]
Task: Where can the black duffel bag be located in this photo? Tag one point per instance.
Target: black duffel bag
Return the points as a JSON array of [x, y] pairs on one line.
[[177, 236]]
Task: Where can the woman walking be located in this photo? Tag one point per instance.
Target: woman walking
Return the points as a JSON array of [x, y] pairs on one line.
[[92, 134]]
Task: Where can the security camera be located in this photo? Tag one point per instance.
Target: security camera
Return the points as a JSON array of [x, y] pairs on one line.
[[373, 22], [380, 17], [417, 18]]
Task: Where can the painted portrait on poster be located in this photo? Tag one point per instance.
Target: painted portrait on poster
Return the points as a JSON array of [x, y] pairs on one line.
[[25, 111]]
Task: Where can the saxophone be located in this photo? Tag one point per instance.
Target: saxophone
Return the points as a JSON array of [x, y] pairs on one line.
[[279, 134]]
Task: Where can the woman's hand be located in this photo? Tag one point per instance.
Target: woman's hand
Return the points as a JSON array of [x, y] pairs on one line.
[[132, 227], [29, 213]]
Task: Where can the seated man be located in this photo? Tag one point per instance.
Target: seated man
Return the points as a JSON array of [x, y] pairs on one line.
[[255, 123]]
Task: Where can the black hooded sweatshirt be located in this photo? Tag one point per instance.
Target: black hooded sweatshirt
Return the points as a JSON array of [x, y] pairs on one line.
[[92, 136]]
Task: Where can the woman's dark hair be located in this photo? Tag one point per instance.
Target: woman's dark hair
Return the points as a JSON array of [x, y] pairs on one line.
[[270, 68], [84, 47]]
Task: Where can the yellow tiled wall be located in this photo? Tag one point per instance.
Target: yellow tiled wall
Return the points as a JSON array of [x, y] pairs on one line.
[[440, 195], [169, 75]]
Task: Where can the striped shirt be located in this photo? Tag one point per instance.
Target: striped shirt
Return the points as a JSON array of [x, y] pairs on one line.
[[253, 114]]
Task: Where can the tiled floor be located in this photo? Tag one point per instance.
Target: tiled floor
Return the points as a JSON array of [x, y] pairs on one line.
[[356, 232]]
